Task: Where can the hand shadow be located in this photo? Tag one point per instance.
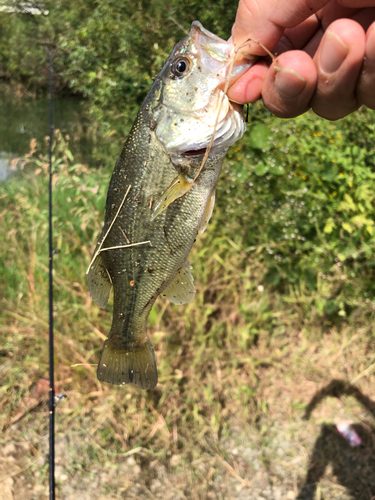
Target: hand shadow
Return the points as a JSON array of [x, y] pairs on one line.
[[354, 468]]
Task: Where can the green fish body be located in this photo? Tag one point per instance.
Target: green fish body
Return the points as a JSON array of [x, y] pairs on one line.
[[156, 202]]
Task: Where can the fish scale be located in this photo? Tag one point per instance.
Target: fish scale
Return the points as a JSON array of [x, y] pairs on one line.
[[163, 209]]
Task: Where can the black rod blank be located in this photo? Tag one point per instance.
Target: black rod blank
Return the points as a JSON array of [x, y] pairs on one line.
[[51, 360]]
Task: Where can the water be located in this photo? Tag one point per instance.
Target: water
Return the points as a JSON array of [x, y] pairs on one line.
[[24, 119]]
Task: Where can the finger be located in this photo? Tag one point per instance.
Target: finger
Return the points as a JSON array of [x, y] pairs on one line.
[[363, 17], [297, 38], [308, 34], [266, 21], [366, 82], [357, 3], [248, 88], [333, 11], [338, 62], [290, 84]]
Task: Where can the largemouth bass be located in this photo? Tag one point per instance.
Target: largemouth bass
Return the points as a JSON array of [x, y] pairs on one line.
[[160, 197]]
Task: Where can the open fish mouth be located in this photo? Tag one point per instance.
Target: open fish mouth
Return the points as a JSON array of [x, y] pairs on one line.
[[196, 152]]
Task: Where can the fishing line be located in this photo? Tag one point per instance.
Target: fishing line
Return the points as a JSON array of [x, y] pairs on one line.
[[51, 360], [221, 97], [220, 103]]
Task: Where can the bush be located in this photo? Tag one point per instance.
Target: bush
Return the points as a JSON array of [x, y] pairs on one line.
[[301, 194]]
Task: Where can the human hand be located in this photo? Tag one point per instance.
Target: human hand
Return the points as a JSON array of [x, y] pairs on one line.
[[326, 61]]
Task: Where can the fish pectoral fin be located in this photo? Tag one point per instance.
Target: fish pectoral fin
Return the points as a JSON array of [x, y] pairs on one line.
[[208, 212], [182, 289], [178, 188], [131, 363], [100, 283]]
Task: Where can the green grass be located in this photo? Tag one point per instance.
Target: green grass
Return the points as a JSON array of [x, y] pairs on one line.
[[237, 366]]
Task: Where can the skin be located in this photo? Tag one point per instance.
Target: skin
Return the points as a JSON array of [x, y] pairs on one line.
[[325, 55]]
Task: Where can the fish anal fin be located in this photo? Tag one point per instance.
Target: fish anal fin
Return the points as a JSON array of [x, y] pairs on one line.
[[181, 290], [99, 282], [133, 363], [208, 212], [179, 187]]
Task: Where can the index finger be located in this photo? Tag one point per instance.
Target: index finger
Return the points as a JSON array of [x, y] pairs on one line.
[[265, 22]]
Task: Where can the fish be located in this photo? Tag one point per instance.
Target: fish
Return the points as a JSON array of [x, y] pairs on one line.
[[161, 196]]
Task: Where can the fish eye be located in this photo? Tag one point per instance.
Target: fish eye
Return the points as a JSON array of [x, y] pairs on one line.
[[180, 66]]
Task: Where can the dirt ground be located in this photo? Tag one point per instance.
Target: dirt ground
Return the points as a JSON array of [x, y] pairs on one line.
[[290, 449]]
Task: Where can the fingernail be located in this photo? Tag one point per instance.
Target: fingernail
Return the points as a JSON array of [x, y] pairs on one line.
[[333, 52], [288, 83]]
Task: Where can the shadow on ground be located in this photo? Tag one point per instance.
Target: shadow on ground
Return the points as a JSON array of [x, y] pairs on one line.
[[354, 468]]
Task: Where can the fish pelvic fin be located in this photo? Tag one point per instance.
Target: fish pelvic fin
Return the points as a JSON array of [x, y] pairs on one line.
[[133, 364], [181, 290], [100, 282], [179, 187]]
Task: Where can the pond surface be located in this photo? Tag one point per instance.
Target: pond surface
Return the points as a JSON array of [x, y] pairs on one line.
[[23, 119]]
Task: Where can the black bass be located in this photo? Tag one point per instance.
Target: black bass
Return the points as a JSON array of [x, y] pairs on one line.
[[160, 198]]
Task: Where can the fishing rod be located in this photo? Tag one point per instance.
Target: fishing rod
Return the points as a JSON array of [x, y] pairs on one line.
[[51, 351]]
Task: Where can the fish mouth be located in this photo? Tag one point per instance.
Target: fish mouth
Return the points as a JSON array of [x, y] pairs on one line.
[[196, 152]]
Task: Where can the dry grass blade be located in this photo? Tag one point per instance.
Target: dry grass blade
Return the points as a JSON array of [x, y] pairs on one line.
[[221, 97], [110, 227], [258, 43], [125, 246], [365, 372], [235, 474]]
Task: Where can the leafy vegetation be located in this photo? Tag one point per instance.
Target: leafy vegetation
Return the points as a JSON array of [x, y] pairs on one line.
[[301, 194], [25, 40]]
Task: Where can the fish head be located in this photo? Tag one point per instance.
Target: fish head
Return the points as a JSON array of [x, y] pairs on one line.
[[193, 103]]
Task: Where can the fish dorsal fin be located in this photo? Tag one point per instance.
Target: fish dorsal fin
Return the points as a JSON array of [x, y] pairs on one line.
[[208, 212], [100, 283], [182, 289], [177, 188]]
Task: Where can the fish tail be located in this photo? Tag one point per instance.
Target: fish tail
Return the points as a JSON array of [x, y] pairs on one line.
[[132, 363]]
